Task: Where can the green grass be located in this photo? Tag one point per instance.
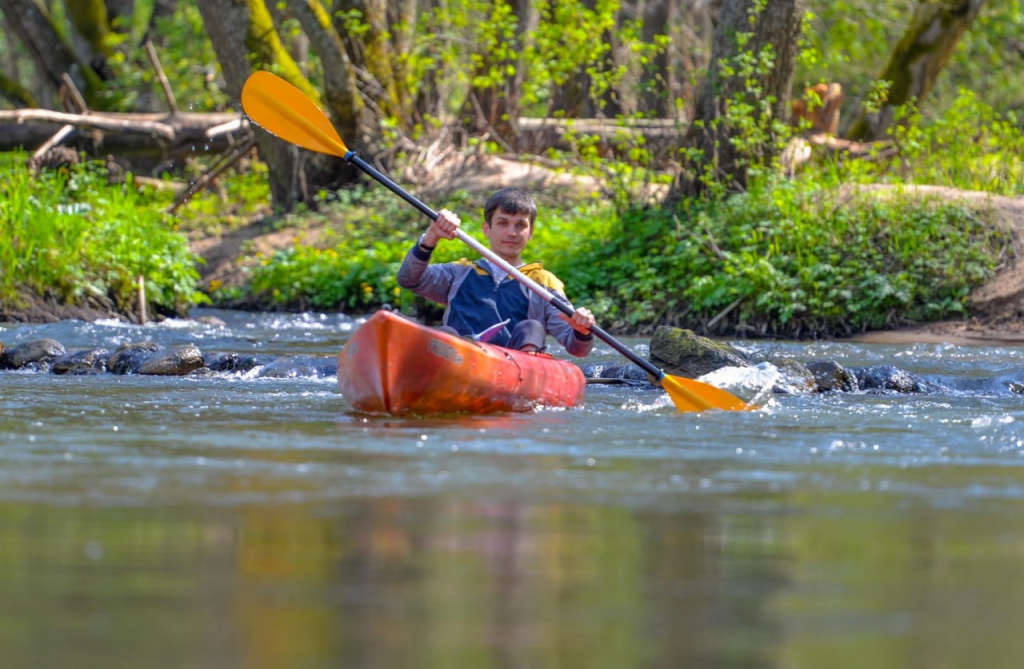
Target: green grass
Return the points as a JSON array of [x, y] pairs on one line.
[[69, 234]]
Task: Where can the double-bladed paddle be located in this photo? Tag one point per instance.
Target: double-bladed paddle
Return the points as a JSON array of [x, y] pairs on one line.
[[285, 111]]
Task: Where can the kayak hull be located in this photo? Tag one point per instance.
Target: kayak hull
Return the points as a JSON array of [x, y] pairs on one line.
[[393, 365]]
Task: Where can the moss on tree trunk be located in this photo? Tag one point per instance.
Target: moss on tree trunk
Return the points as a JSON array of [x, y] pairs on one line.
[[917, 60]]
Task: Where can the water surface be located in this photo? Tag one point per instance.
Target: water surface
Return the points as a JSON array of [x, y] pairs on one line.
[[235, 520]]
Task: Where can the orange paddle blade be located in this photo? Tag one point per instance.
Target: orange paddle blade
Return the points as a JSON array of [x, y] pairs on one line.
[[283, 110], [693, 395]]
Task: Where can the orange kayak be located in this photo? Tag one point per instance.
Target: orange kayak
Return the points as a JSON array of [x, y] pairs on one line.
[[394, 365]]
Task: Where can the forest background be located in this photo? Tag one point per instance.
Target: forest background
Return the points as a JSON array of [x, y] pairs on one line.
[[714, 183]]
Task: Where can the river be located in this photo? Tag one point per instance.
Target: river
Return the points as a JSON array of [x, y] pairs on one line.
[[233, 520]]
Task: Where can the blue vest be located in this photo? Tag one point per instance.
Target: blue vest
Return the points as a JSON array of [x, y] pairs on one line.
[[481, 303]]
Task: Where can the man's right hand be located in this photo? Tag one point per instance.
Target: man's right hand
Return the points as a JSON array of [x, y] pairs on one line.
[[443, 227]]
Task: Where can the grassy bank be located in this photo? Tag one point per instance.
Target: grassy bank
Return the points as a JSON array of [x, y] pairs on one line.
[[806, 256], [70, 235], [789, 258]]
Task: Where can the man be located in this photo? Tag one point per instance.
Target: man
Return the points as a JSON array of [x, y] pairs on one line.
[[480, 296]]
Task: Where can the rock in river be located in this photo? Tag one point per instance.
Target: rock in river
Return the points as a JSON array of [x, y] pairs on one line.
[[682, 353], [37, 353]]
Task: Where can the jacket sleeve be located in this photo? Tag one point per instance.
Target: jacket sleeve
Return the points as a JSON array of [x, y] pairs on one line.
[[573, 342], [426, 280]]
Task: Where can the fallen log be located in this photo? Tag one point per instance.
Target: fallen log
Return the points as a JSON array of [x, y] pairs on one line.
[[158, 136]]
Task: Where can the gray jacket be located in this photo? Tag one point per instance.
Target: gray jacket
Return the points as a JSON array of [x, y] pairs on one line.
[[439, 282]]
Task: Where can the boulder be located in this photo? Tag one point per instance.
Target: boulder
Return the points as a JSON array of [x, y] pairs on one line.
[[177, 361], [794, 377], [682, 353], [830, 376], [888, 378], [89, 361], [129, 358], [37, 353], [233, 362]]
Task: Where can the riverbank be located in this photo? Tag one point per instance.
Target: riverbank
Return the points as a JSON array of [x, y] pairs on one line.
[[996, 308], [228, 258]]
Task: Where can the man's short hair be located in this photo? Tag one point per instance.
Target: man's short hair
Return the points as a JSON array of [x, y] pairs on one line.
[[512, 201]]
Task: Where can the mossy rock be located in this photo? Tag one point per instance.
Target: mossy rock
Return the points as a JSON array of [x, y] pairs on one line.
[[682, 353]]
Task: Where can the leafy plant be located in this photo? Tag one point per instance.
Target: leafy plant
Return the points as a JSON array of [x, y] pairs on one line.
[[969, 146], [73, 235], [789, 258]]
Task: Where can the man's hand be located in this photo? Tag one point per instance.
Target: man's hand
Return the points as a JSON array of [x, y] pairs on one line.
[[442, 228], [581, 321]]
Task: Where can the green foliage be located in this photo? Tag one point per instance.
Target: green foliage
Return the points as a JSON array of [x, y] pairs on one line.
[[456, 39], [789, 258], [785, 257], [240, 197], [849, 41], [71, 235], [352, 276], [352, 266], [185, 54], [745, 134], [619, 182], [571, 40], [970, 146]]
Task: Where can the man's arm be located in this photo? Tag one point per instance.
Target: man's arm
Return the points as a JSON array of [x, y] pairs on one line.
[[426, 280], [574, 341], [417, 274]]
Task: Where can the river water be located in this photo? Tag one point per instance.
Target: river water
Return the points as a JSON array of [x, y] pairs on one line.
[[234, 520]]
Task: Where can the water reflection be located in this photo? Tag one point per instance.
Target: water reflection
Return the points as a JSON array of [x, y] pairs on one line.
[[448, 581], [377, 583]]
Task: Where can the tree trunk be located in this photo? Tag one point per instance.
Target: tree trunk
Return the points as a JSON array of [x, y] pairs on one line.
[[403, 23], [119, 14], [340, 90], [732, 129], [573, 97], [373, 55], [148, 138], [661, 86], [237, 30], [162, 9], [52, 55], [917, 60], [89, 19], [15, 93]]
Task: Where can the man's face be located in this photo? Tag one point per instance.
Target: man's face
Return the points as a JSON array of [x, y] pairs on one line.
[[508, 233]]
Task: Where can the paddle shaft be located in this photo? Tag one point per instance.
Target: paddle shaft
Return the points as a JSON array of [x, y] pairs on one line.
[[560, 303]]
